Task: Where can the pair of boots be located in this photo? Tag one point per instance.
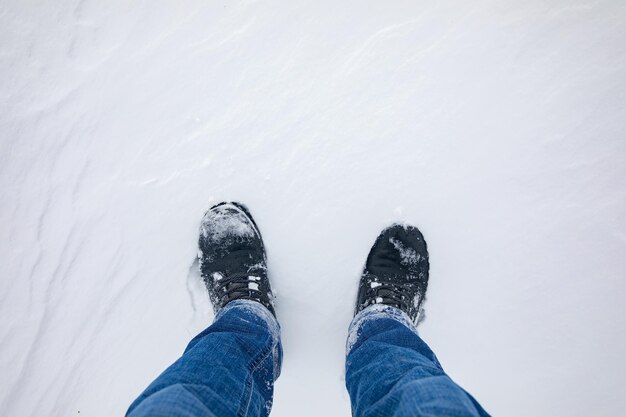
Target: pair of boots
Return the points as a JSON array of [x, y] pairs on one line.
[[233, 263], [229, 369]]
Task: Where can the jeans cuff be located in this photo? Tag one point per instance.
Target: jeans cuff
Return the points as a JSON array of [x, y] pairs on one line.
[[259, 310], [374, 312]]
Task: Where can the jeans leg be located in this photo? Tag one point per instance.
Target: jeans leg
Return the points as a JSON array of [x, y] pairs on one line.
[[390, 371], [228, 370]]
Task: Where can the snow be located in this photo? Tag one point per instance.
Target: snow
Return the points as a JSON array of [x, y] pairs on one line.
[[496, 127], [408, 256], [225, 221]]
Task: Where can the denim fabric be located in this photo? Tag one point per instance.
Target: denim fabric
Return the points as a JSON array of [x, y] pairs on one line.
[[390, 371], [227, 370]]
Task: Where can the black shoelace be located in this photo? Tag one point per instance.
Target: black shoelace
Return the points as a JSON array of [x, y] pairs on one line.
[[396, 295], [236, 286]]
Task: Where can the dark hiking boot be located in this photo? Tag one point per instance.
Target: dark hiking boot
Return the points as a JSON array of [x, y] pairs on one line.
[[232, 257], [396, 271]]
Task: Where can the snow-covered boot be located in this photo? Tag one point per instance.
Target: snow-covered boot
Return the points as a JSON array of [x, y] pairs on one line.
[[232, 257], [396, 271]]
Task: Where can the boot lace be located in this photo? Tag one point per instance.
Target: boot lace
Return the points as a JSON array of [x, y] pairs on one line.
[[396, 295], [237, 286]]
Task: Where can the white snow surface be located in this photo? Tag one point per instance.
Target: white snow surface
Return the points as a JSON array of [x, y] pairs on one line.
[[496, 127]]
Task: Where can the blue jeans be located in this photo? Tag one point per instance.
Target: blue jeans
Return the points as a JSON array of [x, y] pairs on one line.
[[229, 370]]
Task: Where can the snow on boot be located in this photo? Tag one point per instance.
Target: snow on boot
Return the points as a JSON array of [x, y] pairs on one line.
[[232, 257], [396, 271]]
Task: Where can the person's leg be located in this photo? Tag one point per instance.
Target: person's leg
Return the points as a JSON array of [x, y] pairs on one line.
[[390, 371], [227, 370]]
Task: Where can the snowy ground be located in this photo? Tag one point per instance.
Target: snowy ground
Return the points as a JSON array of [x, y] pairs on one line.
[[497, 127]]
